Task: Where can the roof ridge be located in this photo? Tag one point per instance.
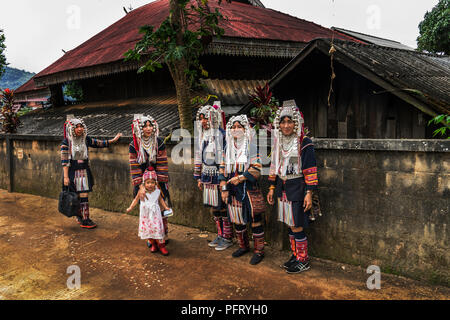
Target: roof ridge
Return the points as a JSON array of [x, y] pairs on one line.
[[313, 23], [276, 25], [364, 34], [392, 49]]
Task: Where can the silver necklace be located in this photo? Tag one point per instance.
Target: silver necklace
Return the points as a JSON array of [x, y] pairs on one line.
[[288, 144]]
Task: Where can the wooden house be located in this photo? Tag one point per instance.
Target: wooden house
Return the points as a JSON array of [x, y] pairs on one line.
[[378, 92], [30, 95], [257, 43]]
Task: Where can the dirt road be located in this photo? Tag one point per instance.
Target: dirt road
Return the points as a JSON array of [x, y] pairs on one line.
[[38, 244]]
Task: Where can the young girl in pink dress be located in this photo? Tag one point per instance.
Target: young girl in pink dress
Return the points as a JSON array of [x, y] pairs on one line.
[[151, 226]]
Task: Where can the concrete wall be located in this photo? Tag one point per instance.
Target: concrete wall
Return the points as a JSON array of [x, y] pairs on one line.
[[37, 170], [3, 167], [384, 202]]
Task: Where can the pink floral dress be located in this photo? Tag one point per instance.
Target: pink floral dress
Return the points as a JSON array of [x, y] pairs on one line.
[[150, 220]]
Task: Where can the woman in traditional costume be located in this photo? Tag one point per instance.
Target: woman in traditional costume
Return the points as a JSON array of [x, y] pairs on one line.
[[147, 152], [208, 158], [293, 177], [239, 176], [77, 174]]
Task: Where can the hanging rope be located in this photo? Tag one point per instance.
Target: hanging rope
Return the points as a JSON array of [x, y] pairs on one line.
[[333, 74]]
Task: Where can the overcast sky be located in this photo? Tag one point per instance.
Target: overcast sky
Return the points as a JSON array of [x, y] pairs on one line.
[[37, 30]]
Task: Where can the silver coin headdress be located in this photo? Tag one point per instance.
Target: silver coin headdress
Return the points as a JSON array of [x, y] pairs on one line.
[[137, 129], [230, 160], [291, 110], [77, 145]]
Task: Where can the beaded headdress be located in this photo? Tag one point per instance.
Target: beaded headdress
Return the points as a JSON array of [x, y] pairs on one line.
[[139, 124], [150, 174], [137, 127], [211, 136], [244, 146], [214, 114], [76, 144], [289, 109]]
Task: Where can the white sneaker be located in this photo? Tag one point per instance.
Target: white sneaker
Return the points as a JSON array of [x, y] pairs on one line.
[[215, 242], [224, 244]]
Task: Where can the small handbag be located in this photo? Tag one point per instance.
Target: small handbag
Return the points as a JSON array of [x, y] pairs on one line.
[[168, 213], [69, 203]]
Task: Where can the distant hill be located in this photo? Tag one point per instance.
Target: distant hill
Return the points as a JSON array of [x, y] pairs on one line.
[[14, 78]]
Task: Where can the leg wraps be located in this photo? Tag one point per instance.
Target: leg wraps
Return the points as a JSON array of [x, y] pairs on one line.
[[301, 244], [218, 221], [166, 225], [258, 238], [84, 208], [227, 231], [242, 236], [292, 242]]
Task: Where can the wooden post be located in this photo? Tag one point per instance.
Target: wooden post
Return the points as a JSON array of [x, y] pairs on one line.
[[57, 96], [10, 163]]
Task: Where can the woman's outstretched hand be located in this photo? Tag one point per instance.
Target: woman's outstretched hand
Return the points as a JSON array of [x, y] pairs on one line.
[[116, 138]]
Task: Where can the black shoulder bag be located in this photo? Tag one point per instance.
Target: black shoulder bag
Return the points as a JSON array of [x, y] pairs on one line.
[[69, 203]]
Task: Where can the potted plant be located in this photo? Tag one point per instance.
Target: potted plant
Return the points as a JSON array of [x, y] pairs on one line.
[[264, 110]]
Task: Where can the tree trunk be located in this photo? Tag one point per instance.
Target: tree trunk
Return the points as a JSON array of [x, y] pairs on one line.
[[184, 107], [177, 70], [183, 91]]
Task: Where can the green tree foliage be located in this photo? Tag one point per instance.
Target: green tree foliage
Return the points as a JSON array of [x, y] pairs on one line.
[[179, 42], [442, 131], [2, 53], [74, 90], [23, 111], [435, 29]]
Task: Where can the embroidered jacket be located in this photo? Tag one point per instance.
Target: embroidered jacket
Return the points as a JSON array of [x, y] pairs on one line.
[[252, 174], [200, 162], [309, 167], [161, 165], [90, 142]]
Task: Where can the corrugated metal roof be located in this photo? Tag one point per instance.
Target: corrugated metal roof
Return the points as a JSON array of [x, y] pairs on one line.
[[374, 40], [103, 118], [243, 21], [255, 3], [426, 74], [28, 86], [424, 77], [232, 92]]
